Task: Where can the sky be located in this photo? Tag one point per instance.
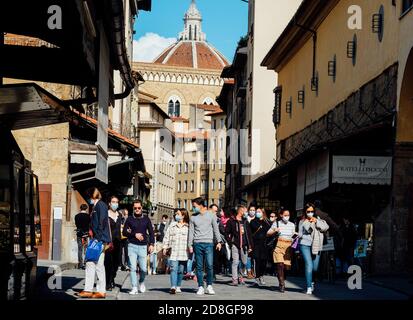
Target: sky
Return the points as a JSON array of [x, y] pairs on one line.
[[224, 22]]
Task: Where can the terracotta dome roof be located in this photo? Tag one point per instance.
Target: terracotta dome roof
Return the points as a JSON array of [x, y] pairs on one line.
[[192, 54]]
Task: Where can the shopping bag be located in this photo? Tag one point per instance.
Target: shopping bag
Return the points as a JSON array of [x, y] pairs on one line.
[[94, 250], [294, 245]]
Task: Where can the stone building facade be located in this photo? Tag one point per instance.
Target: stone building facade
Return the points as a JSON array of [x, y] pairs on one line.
[[186, 80]]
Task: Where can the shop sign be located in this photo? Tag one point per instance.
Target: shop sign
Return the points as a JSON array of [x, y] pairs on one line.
[[362, 170]]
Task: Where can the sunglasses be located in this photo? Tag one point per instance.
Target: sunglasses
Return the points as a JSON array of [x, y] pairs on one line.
[[272, 216], [310, 211], [138, 208]]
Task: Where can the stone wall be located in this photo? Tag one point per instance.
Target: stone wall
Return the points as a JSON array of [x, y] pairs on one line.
[[402, 207]]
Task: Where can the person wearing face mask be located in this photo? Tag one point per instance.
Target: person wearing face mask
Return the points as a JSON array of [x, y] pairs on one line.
[[176, 240], [238, 235], [282, 254], [113, 256], [100, 231], [259, 228], [138, 228], [203, 233], [311, 231], [250, 217]]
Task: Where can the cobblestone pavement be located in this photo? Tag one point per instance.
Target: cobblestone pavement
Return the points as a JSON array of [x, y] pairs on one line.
[[72, 282]]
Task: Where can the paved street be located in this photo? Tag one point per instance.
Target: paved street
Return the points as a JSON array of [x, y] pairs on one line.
[[158, 287]]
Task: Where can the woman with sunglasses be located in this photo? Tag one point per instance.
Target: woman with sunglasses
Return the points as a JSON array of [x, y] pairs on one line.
[[311, 231]]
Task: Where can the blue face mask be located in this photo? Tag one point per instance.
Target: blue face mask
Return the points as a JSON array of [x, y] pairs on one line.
[[91, 202], [245, 214], [196, 210], [178, 218], [258, 215], [114, 206]]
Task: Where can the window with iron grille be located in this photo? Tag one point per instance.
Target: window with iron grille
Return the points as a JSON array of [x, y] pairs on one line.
[[277, 106]]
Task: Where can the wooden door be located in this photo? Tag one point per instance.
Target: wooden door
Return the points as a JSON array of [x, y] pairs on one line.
[[45, 195]]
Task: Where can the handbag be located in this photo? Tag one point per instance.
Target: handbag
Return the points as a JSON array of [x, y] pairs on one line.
[[271, 242], [93, 250]]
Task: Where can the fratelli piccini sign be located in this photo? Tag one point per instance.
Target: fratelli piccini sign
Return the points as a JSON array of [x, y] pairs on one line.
[[362, 170]]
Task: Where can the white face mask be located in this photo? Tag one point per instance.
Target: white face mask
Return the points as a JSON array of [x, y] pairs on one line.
[[272, 219], [310, 214], [251, 214], [286, 219]]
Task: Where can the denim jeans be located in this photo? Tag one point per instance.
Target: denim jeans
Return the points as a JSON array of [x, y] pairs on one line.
[[189, 264], [204, 251], [311, 263], [137, 254], [177, 273], [153, 261], [249, 264]]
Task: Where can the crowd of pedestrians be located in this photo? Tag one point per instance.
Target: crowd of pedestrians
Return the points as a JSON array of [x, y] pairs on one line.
[[244, 243]]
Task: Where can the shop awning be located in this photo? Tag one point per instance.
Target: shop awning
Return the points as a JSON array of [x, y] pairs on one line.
[[28, 105]]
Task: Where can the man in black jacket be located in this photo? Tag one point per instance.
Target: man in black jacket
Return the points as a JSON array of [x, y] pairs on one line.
[[238, 234], [82, 221], [138, 228]]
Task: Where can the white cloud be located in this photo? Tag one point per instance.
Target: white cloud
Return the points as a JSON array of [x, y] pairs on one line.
[[150, 46]]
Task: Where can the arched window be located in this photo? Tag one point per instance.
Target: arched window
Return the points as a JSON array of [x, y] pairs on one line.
[[171, 108], [177, 109], [208, 101], [196, 33], [174, 107], [190, 32]]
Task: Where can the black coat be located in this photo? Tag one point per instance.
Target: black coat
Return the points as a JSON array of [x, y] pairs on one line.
[[232, 233], [259, 229]]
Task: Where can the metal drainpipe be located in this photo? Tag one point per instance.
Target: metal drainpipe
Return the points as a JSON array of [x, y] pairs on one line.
[[314, 32]]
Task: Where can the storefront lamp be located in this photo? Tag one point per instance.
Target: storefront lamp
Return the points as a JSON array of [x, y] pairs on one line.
[[301, 97], [332, 68], [289, 107], [352, 50], [314, 83]]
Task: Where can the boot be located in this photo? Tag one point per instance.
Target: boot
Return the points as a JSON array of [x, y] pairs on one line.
[[281, 278], [250, 275]]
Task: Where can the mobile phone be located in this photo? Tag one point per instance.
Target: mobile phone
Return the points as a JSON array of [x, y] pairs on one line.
[[295, 236]]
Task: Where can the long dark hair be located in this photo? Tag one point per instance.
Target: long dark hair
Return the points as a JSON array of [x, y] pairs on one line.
[[306, 207]]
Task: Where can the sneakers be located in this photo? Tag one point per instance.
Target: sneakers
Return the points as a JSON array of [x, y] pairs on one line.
[[262, 281], [178, 290], [142, 287], [309, 291], [134, 291], [210, 290], [172, 291], [201, 291], [241, 281], [257, 282], [312, 286], [234, 283]]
